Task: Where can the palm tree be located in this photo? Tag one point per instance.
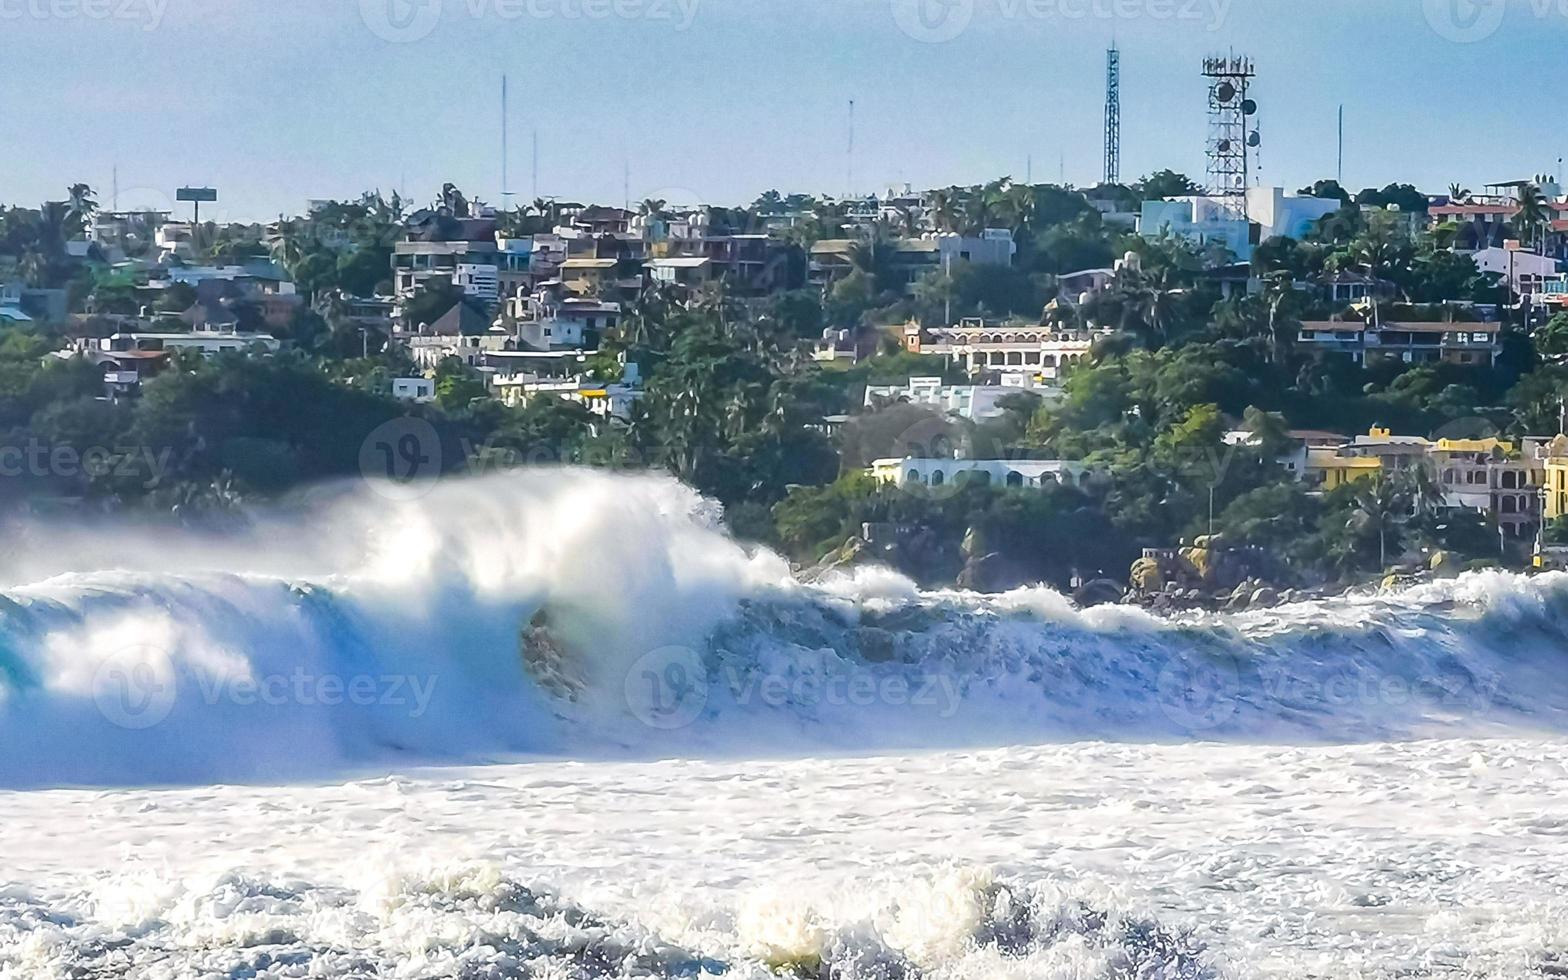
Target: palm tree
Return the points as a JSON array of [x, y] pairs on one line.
[[873, 256], [1458, 194], [287, 243], [1531, 218], [983, 205], [34, 265], [648, 318], [1279, 289], [1381, 506], [452, 202], [1018, 203], [80, 208], [1148, 303], [54, 225], [1269, 429], [945, 207], [1380, 246], [651, 208]]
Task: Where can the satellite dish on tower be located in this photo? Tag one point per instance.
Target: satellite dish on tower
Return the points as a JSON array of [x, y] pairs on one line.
[[1249, 107], [1225, 91], [1253, 139], [1224, 146]]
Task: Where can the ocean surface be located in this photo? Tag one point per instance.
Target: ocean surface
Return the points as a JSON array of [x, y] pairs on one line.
[[559, 725]]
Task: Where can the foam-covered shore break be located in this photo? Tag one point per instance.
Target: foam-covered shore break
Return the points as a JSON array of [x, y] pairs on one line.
[[477, 922], [582, 614]]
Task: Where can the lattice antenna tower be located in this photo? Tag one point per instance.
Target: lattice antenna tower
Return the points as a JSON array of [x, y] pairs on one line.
[[1233, 132]]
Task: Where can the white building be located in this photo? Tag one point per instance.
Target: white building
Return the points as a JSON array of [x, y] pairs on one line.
[[551, 319], [995, 472], [979, 346], [429, 350], [1209, 221], [414, 389], [479, 280], [974, 402], [518, 378], [207, 342], [994, 246], [605, 400], [1528, 271]]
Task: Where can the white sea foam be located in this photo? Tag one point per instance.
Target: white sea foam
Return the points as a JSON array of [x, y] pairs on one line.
[[389, 633]]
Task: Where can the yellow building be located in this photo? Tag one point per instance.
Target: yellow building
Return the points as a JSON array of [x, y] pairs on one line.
[[1555, 457], [1327, 469]]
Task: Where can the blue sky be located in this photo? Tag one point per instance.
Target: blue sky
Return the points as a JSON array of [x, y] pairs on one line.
[[279, 101]]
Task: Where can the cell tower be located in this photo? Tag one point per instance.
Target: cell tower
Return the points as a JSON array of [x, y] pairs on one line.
[[1233, 134], [1113, 116]]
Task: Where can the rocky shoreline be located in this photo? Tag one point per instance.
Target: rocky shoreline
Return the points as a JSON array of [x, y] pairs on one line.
[[1205, 575]]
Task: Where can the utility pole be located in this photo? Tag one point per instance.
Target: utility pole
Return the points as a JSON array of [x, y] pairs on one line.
[[506, 181], [1339, 173]]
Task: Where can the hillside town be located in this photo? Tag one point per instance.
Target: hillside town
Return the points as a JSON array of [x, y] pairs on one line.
[[1187, 369]]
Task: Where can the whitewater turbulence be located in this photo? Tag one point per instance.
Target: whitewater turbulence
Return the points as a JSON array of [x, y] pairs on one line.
[[578, 614]]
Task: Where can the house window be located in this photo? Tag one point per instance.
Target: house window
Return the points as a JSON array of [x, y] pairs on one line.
[[1015, 479], [914, 476], [937, 479]]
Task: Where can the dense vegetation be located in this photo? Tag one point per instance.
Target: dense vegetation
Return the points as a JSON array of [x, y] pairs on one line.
[[736, 408]]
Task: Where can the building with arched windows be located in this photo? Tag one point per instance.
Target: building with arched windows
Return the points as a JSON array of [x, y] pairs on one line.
[[1021, 473], [987, 347]]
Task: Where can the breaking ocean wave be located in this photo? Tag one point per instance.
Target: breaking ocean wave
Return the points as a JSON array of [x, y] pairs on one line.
[[581, 615], [479, 923]]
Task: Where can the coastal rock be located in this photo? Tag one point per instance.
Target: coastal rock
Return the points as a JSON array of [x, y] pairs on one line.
[[1202, 562], [1100, 592], [1147, 576], [1444, 565]]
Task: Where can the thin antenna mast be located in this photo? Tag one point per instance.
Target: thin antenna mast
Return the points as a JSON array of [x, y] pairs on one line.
[[1113, 115], [849, 170], [506, 180]]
